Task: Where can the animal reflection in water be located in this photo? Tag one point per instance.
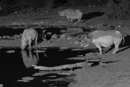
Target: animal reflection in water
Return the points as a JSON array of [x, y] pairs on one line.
[[30, 59], [28, 36], [102, 38]]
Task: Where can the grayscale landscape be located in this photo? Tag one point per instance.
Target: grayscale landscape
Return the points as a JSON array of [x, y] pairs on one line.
[[63, 57]]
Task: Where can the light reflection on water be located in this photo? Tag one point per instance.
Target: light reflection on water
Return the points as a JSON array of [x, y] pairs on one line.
[[18, 71]]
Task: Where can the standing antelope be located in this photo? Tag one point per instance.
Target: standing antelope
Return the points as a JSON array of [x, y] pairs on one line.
[[71, 14], [27, 37], [102, 38]]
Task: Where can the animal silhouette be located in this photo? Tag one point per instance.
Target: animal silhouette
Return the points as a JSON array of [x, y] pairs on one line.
[[28, 36], [102, 38], [71, 14]]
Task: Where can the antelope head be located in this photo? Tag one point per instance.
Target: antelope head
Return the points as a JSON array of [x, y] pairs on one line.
[[86, 41], [61, 13]]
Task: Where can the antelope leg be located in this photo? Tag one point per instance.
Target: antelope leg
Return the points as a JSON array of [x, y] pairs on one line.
[[117, 42], [116, 49], [99, 47]]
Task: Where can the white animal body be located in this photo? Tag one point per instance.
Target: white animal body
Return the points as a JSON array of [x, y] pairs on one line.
[[71, 14], [102, 38], [28, 36]]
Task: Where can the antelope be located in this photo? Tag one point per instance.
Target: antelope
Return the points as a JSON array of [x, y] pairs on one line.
[[102, 38], [28, 36], [71, 14]]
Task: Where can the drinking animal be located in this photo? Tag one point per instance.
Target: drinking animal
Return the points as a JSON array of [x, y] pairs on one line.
[[28, 36], [102, 38], [71, 14]]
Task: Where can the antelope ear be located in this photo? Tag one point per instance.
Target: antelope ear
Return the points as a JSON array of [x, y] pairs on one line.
[[89, 36], [60, 12]]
